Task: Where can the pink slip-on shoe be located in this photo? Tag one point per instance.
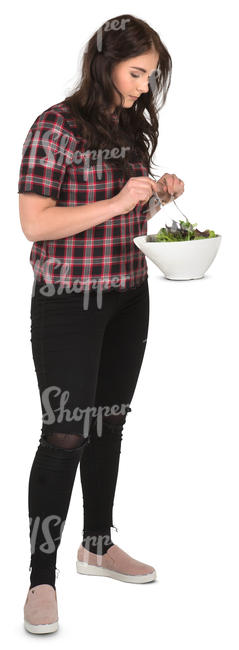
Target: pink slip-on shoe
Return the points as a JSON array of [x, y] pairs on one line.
[[40, 610], [115, 563]]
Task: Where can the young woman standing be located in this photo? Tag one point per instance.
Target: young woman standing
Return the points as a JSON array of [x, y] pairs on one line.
[[83, 182]]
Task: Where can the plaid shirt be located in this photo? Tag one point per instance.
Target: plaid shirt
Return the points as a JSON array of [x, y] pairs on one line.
[[54, 164]]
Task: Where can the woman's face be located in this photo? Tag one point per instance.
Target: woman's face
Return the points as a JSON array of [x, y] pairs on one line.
[[132, 82]]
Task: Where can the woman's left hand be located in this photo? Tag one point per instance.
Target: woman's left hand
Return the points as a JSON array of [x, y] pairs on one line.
[[169, 184]]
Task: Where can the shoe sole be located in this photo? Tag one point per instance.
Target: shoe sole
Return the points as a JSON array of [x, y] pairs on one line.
[[93, 570], [41, 628]]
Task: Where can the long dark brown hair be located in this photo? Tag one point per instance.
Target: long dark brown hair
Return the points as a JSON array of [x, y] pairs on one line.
[[90, 101]]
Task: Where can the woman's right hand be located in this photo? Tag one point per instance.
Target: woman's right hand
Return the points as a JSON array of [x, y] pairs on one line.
[[138, 189]]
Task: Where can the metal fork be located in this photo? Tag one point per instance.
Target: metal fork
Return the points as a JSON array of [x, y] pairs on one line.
[[158, 201], [184, 215]]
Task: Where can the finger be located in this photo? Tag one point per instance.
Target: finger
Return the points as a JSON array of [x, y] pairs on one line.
[[176, 188], [153, 184], [172, 184], [178, 184], [148, 180], [145, 180], [163, 185], [163, 181], [179, 188], [177, 194]]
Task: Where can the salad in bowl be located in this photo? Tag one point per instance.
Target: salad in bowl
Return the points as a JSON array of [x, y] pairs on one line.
[[181, 251]]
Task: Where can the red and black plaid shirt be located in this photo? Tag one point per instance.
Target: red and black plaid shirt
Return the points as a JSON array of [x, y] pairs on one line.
[[53, 165]]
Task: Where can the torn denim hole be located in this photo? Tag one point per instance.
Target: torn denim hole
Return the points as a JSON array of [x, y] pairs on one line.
[[59, 441], [116, 422], [110, 423]]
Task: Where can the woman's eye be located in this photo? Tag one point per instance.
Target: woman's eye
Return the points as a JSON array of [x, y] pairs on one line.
[[136, 76]]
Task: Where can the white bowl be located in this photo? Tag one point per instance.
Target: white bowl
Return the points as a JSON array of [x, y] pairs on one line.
[[181, 260]]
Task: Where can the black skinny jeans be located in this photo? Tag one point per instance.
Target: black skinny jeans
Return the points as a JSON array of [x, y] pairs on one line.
[[87, 350]]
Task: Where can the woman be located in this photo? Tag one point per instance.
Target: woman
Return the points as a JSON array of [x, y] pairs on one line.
[[84, 179]]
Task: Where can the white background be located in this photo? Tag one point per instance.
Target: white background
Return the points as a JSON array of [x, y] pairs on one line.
[[176, 503]]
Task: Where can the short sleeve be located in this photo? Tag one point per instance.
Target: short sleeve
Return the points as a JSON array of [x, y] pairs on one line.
[[47, 150]]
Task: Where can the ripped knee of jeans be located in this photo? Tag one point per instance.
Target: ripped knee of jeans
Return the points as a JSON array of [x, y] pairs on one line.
[[112, 423], [66, 441]]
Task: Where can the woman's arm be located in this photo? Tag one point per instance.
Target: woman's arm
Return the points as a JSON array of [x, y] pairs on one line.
[[41, 219]]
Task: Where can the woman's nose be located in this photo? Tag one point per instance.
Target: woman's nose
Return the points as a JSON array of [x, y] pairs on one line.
[[144, 88]]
